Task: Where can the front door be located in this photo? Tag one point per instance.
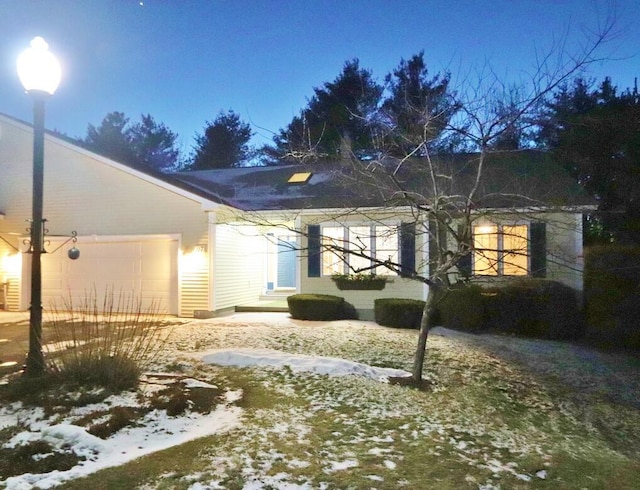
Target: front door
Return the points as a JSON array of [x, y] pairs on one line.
[[286, 257]]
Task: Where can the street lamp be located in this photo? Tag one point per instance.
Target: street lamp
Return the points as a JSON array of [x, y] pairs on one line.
[[40, 74]]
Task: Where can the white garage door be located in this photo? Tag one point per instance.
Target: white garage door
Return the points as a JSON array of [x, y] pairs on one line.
[[144, 268]]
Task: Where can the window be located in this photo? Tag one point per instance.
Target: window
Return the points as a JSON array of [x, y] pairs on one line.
[[299, 178], [386, 246], [378, 241], [501, 250]]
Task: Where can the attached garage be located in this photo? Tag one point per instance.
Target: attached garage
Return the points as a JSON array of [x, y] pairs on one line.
[[145, 267]]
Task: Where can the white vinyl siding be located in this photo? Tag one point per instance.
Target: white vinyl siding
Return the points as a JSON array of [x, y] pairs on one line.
[[10, 271], [239, 269], [194, 281], [94, 197]]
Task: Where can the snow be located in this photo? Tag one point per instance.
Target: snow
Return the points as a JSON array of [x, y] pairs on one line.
[[297, 362], [158, 432], [330, 366]]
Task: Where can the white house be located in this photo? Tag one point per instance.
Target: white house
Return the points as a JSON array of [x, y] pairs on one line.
[[209, 241]]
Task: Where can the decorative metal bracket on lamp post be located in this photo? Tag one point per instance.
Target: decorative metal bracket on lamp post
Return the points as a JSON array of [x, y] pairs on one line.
[[40, 74]]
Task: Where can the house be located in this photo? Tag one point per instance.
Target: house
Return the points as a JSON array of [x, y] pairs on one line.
[[208, 241]]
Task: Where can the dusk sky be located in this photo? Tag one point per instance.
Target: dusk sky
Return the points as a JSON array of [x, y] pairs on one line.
[[182, 61]]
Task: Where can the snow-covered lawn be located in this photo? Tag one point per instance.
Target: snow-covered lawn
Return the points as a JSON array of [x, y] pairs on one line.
[[307, 405]]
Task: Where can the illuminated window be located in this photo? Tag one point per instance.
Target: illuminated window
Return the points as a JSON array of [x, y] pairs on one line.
[[360, 243], [299, 178], [485, 255], [349, 249], [501, 250], [386, 242], [515, 257], [332, 258]]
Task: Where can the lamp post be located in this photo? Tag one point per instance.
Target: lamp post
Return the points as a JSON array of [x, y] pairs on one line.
[[40, 74]]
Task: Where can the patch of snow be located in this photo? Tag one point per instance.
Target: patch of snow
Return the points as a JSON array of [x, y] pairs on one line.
[[296, 463], [542, 474], [341, 465], [194, 383], [390, 464], [375, 478], [298, 362], [159, 432]]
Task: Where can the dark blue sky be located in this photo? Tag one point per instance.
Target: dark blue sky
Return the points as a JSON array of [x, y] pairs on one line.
[[183, 61]]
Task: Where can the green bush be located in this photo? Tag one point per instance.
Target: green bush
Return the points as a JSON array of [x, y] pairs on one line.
[[612, 295], [319, 307], [463, 308], [398, 312], [533, 308], [528, 307]]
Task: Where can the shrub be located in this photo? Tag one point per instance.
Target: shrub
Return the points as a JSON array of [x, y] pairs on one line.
[[527, 307], [463, 308], [612, 279], [116, 373], [319, 307], [398, 312], [104, 343], [534, 308]]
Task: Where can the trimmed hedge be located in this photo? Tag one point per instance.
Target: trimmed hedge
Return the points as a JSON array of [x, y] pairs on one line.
[[612, 296], [463, 308], [398, 312], [527, 307], [319, 307]]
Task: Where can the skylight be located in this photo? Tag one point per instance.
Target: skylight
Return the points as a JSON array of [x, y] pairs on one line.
[[299, 178]]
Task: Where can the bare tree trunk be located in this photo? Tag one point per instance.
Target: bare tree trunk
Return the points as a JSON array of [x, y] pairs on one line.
[[425, 325]]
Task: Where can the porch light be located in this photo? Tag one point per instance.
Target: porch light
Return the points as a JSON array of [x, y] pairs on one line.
[[40, 73]]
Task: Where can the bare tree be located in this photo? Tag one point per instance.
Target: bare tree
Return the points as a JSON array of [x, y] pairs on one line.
[[442, 197]]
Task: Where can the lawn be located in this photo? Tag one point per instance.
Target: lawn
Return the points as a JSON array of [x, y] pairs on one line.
[[499, 412]]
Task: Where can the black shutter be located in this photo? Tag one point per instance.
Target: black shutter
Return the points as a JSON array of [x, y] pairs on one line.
[[538, 235], [313, 251], [464, 264], [407, 249]]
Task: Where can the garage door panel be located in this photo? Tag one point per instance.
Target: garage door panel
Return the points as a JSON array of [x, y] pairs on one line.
[[146, 269]]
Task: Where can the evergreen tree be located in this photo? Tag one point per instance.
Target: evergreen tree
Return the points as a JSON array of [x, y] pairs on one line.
[[154, 144], [337, 118], [224, 143], [146, 145], [417, 108], [111, 138], [596, 133]]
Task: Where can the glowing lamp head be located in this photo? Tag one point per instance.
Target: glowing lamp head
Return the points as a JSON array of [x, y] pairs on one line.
[[38, 69]]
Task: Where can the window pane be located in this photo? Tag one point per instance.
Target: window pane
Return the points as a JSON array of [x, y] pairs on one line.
[[386, 246], [515, 259], [332, 261], [359, 241], [485, 254]]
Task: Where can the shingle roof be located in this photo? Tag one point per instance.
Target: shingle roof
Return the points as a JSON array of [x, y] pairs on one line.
[[524, 178]]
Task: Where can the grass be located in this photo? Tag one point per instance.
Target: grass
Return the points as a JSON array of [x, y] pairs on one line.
[[112, 338], [486, 421]]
